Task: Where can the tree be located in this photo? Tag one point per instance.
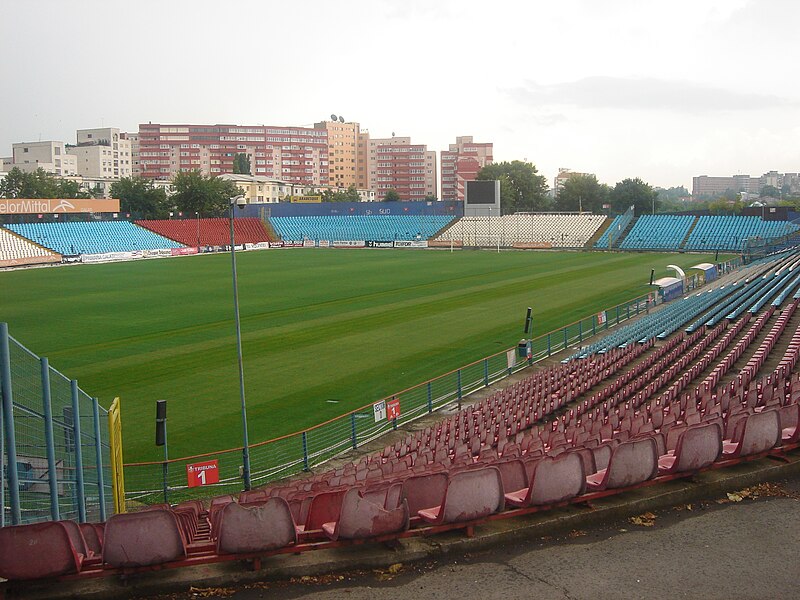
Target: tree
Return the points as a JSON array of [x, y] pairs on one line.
[[521, 187], [138, 195], [38, 184], [636, 193], [770, 191], [391, 196], [582, 192], [241, 164], [430, 198], [349, 195], [206, 194]]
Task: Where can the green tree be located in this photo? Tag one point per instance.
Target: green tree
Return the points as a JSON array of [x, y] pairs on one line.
[[137, 195], [430, 198], [636, 193], [521, 187], [241, 164], [770, 191], [582, 192], [351, 194], [206, 194], [391, 196], [38, 184]]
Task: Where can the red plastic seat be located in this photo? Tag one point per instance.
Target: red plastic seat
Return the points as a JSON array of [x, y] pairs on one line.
[[257, 528], [698, 447], [149, 537], [360, 518], [630, 463], [760, 432], [37, 550], [553, 480], [470, 495]]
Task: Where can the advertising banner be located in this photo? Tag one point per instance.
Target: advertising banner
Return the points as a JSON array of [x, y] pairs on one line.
[[324, 243], [111, 256], [445, 243], [379, 244], [157, 253], [276, 244], [309, 244], [30, 206], [183, 251], [349, 244], [601, 318]]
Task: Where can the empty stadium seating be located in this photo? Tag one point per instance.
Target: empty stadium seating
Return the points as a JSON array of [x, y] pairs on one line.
[[209, 232], [359, 227], [94, 237], [16, 250], [547, 230], [729, 233], [657, 232]]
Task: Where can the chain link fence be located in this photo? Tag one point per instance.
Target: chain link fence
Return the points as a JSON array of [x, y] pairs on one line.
[[53, 440]]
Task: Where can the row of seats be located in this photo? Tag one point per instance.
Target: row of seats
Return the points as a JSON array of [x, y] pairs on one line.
[[18, 249], [94, 237], [360, 227], [209, 232], [551, 230], [730, 233], [657, 232]]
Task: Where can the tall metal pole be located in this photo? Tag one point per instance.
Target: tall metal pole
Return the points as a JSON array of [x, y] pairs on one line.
[[245, 440], [76, 432], [49, 440], [8, 422]]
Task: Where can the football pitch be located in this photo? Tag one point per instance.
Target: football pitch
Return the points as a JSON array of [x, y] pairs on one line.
[[324, 331]]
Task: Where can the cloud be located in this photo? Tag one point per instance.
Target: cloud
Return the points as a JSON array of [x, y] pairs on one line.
[[644, 94]]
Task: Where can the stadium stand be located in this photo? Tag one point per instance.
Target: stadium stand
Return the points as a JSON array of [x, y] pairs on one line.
[[95, 237], [729, 233], [546, 230], [657, 232], [209, 232], [16, 250], [359, 227], [607, 423]]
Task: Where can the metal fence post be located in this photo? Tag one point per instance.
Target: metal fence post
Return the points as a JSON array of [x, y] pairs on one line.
[[486, 372], [548, 345], [430, 398], [98, 444], [628, 312], [565, 338], [617, 314], [580, 331], [594, 326], [305, 451], [459, 388], [8, 421], [76, 432], [52, 477], [353, 430]]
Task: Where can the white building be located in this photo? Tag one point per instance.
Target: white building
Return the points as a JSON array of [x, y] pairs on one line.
[[50, 156], [102, 154]]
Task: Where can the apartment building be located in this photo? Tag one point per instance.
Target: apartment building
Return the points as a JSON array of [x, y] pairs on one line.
[[461, 163], [292, 154], [343, 143], [563, 176], [397, 164]]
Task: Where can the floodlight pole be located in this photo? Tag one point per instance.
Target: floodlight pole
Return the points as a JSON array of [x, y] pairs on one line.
[[246, 443]]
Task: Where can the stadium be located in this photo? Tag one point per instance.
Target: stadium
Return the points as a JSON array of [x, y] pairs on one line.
[[384, 392]]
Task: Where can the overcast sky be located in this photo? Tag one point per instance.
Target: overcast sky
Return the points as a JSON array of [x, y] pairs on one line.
[[622, 88]]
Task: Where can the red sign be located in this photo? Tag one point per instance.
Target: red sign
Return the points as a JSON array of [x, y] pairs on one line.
[[204, 473], [393, 408]]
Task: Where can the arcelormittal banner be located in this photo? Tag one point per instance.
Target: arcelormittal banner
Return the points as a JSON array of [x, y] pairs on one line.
[[34, 206]]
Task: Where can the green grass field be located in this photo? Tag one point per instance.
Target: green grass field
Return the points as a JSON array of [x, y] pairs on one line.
[[324, 331]]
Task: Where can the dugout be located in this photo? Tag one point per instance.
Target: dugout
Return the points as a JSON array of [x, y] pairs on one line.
[[669, 288], [706, 271]]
